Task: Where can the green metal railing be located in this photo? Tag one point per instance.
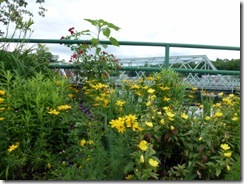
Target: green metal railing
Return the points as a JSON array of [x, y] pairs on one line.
[[167, 47]]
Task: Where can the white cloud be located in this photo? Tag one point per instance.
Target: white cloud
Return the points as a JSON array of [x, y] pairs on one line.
[[173, 21]]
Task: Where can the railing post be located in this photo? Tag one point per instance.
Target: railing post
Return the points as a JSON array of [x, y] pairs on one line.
[[166, 61]]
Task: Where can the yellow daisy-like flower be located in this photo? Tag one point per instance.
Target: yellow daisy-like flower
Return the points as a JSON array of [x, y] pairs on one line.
[[13, 147], [82, 142], [1, 118], [143, 145], [184, 116], [150, 91], [90, 142], [120, 103], [63, 107], [170, 114], [172, 127], [200, 138], [225, 146], [166, 99], [1, 100], [53, 111], [228, 154], [142, 159], [150, 124], [2, 108], [153, 162], [194, 89], [231, 95]]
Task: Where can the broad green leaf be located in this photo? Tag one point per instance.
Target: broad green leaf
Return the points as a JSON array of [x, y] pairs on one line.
[[218, 171], [129, 167], [110, 25], [106, 32], [114, 41], [98, 50], [94, 41], [104, 46], [93, 22]]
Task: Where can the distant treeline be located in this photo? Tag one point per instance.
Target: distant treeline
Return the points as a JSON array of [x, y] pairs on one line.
[[225, 64]]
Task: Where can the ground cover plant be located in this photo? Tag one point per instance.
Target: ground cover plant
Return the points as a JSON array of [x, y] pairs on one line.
[[146, 129]]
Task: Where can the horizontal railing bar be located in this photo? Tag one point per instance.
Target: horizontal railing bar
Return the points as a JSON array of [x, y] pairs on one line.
[[131, 68], [129, 43]]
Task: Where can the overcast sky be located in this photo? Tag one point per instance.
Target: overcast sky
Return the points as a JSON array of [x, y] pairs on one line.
[[215, 22]]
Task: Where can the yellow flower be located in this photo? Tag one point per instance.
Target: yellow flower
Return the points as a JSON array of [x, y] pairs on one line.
[[1, 118], [130, 176], [70, 95], [225, 146], [194, 89], [142, 159], [64, 107], [166, 99], [184, 116], [150, 91], [82, 142], [227, 167], [228, 154], [53, 111], [150, 124], [120, 103], [1, 108], [207, 118], [221, 94], [152, 97], [165, 88], [13, 147], [153, 162], [1, 100], [231, 95], [200, 138], [2, 92], [218, 114], [235, 118], [162, 121], [143, 145], [170, 114], [90, 142], [172, 127]]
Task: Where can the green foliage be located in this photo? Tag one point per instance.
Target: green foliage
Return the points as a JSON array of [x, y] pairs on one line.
[[233, 64], [91, 61]]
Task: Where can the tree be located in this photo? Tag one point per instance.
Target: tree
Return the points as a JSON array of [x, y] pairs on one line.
[[14, 11]]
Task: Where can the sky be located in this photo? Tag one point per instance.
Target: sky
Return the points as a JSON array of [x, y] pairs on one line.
[[169, 21]]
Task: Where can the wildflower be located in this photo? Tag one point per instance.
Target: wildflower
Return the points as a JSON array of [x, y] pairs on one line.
[[200, 138], [218, 114], [228, 154], [166, 99], [165, 88], [221, 94], [1, 118], [194, 89], [2, 92], [130, 176], [172, 127], [184, 116], [152, 97], [136, 126], [150, 124], [130, 119], [53, 111], [143, 145], [82, 142], [1, 100], [231, 95], [153, 162], [207, 118], [90, 142], [64, 107], [142, 159], [227, 167], [225, 146], [170, 114], [166, 108], [150, 91], [1, 108], [120, 103], [162, 121], [13, 147], [235, 118]]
